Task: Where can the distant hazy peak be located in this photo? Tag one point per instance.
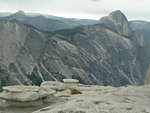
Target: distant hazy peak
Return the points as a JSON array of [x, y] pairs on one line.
[[18, 15], [117, 22], [21, 12]]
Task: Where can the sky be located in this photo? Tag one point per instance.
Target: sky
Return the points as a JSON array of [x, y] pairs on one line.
[[90, 9]]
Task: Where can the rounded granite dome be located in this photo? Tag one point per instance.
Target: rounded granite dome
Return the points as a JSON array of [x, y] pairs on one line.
[[117, 22]]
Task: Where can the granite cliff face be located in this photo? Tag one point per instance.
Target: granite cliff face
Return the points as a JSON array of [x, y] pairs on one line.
[[147, 78], [142, 27], [21, 46], [117, 22], [95, 54]]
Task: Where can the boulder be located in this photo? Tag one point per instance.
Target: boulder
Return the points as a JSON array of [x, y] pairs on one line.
[[58, 86], [45, 91], [20, 95], [50, 83], [3, 103], [50, 99], [70, 81], [21, 88]]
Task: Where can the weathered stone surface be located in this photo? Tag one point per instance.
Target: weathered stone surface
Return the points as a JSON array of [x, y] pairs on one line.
[[50, 99], [25, 93], [3, 103], [66, 93], [50, 83], [94, 99], [45, 91], [70, 81], [24, 104], [20, 93], [128, 99], [58, 86], [22, 97], [21, 88]]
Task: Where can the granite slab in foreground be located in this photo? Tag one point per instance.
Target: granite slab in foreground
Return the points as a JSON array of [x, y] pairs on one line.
[[78, 98]]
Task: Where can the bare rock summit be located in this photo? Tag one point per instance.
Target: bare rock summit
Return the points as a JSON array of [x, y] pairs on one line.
[[117, 22]]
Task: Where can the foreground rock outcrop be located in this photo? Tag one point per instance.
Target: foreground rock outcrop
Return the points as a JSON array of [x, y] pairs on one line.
[[25, 95], [100, 99], [91, 99]]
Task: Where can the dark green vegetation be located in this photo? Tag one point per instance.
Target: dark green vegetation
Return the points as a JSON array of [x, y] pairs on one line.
[[36, 80], [5, 81], [1, 70], [78, 78], [75, 91]]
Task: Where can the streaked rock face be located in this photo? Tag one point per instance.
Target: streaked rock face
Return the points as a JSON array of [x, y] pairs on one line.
[[147, 78], [95, 54], [142, 27], [12, 37], [20, 49]]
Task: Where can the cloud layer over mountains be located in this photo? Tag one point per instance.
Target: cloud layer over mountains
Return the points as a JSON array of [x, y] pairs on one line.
[[134, 9]]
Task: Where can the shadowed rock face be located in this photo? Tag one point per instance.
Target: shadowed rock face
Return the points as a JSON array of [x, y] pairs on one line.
[[142, 27], [147, 78], [117, 22], [95, 54]]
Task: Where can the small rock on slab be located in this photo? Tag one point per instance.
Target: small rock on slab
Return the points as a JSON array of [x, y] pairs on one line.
[[70, 81]]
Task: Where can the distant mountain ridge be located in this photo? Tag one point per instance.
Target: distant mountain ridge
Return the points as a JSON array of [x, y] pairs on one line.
[[47, 22], [107, 53], [39, 22]]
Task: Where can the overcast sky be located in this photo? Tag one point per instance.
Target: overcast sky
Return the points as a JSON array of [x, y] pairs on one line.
[[93, 9]]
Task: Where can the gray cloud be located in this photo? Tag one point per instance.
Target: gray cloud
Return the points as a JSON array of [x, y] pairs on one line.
[[95, 0], [134, 9]]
